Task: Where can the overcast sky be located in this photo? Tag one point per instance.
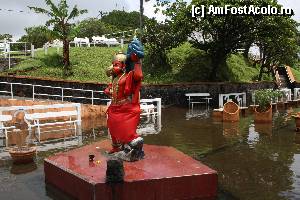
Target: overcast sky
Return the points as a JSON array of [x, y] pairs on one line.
[[14, 22]]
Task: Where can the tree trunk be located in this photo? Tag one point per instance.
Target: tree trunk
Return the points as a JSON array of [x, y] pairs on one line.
[[217, 60], [66, 57], [261, 72], [246, 52], [141, 14]]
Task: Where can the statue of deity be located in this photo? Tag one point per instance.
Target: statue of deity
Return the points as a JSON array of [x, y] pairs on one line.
[[124, 110]]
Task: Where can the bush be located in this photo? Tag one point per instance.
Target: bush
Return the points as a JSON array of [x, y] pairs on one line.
[[189, 64], [264, 98]]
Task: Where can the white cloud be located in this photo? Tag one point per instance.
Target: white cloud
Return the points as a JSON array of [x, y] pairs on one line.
[[295, 5]]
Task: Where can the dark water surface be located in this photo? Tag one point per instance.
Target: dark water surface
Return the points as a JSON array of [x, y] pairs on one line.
[[253, 161]]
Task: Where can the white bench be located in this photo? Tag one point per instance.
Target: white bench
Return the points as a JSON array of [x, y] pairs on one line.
[[39, 119], [202, 96], [4, 129]]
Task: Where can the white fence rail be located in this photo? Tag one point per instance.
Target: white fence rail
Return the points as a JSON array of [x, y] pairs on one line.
[[61, 94], [240, 98], [35, 119], [296, 94]]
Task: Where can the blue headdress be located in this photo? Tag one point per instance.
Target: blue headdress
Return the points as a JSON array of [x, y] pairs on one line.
[[137, 48]]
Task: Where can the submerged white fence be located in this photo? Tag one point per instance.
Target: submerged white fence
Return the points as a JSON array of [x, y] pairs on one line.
[[59, 93]]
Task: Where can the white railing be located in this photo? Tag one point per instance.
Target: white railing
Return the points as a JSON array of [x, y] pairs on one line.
[[14, 110], [287, 95], [61, 94], [239, 97], [296, 94]]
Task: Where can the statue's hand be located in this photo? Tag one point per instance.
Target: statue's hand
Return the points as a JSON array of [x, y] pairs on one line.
[[109, 71]]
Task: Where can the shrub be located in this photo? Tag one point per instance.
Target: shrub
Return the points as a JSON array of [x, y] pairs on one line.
[[265, 97]]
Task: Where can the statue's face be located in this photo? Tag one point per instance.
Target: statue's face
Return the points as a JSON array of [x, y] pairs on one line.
[[118, 67]]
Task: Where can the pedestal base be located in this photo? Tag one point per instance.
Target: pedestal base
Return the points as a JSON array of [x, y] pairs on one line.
[[165, 173]]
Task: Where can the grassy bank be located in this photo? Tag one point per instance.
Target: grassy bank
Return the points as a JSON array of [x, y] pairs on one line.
[[89, 64]]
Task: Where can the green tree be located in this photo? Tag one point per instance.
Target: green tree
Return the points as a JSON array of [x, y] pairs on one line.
[[123, 20], [277, 38], [161, 37], [93, 27], [6, 37], [60, 17], [37, 35], [221, 35]]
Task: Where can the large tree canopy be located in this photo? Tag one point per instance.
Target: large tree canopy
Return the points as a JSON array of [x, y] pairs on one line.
[[221, 35], [123, 20], [37, 35], [93, 27]]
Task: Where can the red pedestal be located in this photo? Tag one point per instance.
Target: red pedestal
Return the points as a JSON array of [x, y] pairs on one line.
[[164, 174]]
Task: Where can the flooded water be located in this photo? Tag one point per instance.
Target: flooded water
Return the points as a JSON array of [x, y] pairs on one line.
[[254, 161]]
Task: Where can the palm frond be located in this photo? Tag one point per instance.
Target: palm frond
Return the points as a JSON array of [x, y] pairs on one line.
[[54, 8], [40, 10], [63, 7], [76, 12], [52, 21]]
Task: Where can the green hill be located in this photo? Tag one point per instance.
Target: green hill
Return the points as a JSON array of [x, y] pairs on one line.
[[89, 64]]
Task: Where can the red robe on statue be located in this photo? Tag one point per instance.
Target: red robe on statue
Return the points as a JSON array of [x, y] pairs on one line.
[[124, 110]]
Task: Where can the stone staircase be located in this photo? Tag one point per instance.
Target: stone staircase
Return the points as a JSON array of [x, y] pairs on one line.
[[283, 82], [283, 77]]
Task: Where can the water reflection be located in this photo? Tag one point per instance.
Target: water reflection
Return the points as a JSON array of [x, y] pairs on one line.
[[231, 129], [23, 168], [149, 125], [254, 161], [197, 113]]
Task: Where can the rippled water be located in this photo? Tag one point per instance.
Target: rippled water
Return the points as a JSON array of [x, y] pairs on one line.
[[254, 161]]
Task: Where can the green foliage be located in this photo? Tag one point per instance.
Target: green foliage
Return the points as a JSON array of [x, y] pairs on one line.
[[241, 70], [222, 35], [296, 71], [89, 64], [264, 98], [62, 29], [277, 38], [5, 37], [93, 27], [37, 35], [160, 38], [188, 64], [122, 20]]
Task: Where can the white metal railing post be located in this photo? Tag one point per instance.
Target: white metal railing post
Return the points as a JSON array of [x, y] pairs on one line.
[[33, 92], [79, 133], [244, 99], [25, 49], [92, 97], [9, 59], [220, 101], [11, 91], [32, 51], [158, 113], [62, 94]]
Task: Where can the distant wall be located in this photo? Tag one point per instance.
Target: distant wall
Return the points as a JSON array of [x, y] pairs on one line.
[[170, 93]]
